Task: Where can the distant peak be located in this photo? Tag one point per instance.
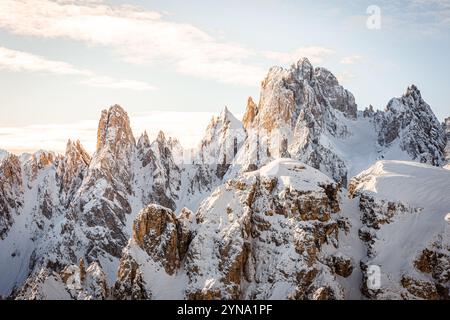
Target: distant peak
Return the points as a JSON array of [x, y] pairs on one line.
[[225, 114], [161, 136], [144, 141], [225, 110], [304, 62], [413, 91]]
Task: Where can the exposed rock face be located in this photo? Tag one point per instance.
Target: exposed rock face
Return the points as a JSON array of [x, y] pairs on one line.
[[11, 192], [158, 246], [155, 232], [130, 284], [446, 127], [114, 131], [435, 262], [250, 114], [186, 224], [410, 122], [38, 162]]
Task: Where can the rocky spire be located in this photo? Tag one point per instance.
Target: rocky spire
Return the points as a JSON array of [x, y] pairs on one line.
[[161, 137], [250, 113], [11, 194], [144, 141], [114, 130], [76, 154], [72, 170]]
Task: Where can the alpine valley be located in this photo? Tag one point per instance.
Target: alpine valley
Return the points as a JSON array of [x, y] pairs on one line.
[[299, 200]]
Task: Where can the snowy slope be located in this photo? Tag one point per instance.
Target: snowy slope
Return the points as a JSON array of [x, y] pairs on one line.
[[408, 203]]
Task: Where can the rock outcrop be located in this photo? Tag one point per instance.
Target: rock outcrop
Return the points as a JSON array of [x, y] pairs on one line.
[[446, 127], [11, 192]]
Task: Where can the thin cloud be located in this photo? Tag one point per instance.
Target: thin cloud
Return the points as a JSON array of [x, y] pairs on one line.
[[19, 61], [136, 35], [315, 54], [354, 59]]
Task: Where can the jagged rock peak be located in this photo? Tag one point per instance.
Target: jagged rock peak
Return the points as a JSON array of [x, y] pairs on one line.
[[410, 119], [144, 141], [224, 112], [250, 113], [411, 99], [227, 116], [161, 137], [285, 92], [413, 90], [114, 129], [76, 152], [368, 112], [304, 68]]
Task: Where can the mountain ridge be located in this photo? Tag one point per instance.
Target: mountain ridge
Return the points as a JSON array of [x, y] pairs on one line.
[[295, 161]]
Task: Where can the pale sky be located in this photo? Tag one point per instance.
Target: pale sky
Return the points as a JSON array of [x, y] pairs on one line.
[[173, 64]]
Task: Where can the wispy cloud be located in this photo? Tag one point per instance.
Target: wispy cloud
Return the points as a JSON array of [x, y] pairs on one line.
[[354, 59], [136, 35], [316, 54], [187, 127], [19, 61]]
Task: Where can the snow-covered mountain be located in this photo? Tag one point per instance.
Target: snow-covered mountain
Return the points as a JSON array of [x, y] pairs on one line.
[[304, 113], [446, 127], [300, 200]]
